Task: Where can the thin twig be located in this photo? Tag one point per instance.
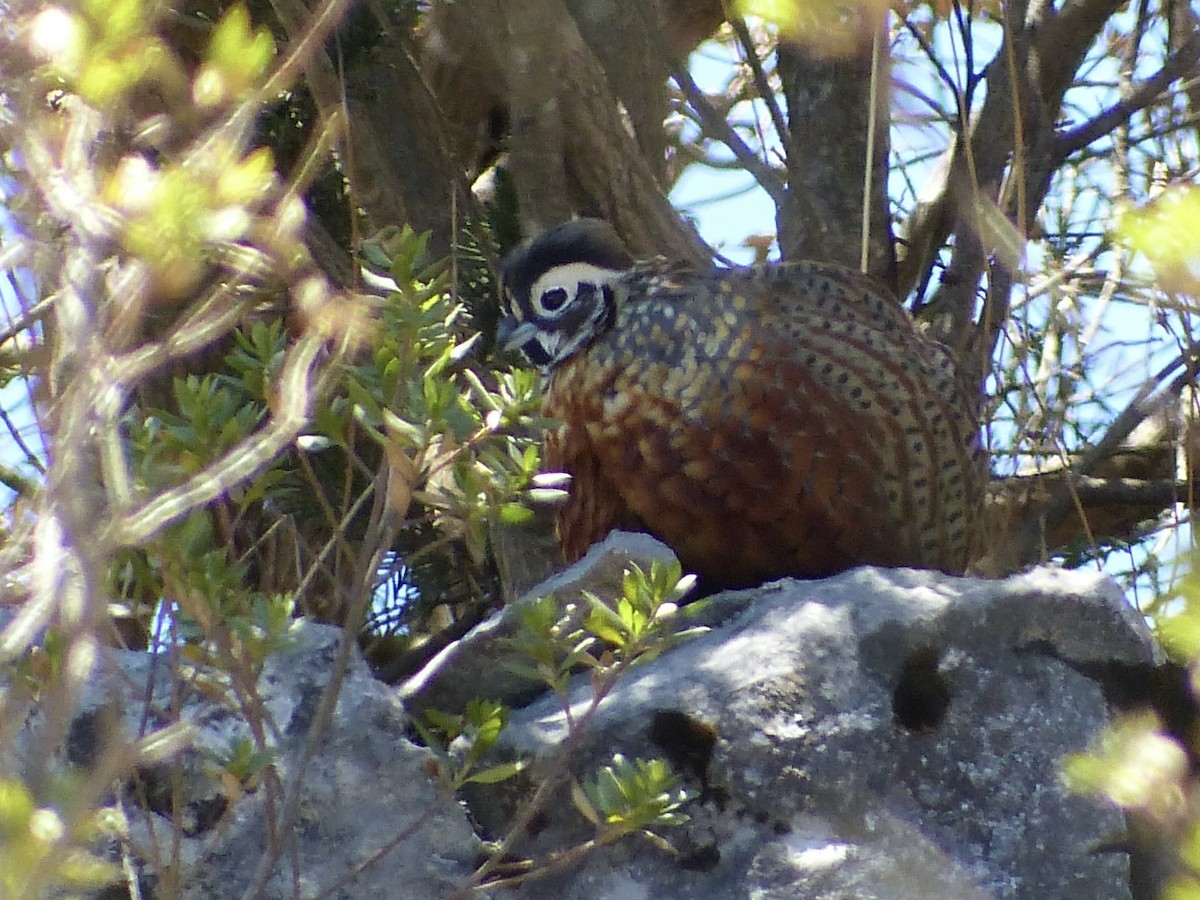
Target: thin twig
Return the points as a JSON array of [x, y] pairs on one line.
[[869, 168], [1181, 63], [15, 433], [377, 542], [244, 461], [931, 55], [1154, 395], [762, 84], [718, 128]]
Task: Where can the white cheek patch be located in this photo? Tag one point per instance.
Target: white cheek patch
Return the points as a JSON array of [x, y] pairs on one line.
[[568, 277]]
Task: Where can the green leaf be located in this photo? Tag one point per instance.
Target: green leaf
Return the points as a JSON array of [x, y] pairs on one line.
[[240, 55], [16, 806], [449, 724], [631, 796], [1134, 764], [604, 623], [363, 399], [523, 670], [497, 773], [1165, 230], [515, 514], [1000, 236], [584, 804]]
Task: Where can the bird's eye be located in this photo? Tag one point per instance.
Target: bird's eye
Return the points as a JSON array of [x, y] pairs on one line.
[[553, 300]]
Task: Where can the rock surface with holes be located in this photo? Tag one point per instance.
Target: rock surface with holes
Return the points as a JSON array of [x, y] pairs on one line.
[[888, 734], [880, 734]]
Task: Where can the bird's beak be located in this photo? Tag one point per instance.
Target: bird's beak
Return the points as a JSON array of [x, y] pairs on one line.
[[512, 335]]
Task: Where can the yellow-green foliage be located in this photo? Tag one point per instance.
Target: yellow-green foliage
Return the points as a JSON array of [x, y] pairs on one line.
[[1140, 766], [38, 838], [1167, 232], [235, 364], [236, 61]]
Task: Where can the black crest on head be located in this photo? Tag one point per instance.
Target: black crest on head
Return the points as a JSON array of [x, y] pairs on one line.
[[578, 241]]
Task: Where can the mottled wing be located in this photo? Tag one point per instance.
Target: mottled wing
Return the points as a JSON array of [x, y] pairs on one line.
[[860, 343], [782, 422]]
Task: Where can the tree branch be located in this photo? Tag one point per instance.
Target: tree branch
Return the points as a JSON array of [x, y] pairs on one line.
[[762, 84], [1102, 511], [718, 127], [1045, 47], [1181, 63], [1050, 509], [582, 134], [829, 109]]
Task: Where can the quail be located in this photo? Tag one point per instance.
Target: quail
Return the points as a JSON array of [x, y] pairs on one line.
[[787, 419]]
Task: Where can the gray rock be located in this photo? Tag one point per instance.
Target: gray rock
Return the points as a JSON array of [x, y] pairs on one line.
[[474, 665], [880, 734], [364, 788], [883, 733]]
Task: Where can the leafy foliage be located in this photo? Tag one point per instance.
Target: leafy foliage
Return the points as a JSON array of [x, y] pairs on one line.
[[629, 796], [1144, 762], [553, 642], [254, 440], [609, 635], [476, 729], [36, 838]]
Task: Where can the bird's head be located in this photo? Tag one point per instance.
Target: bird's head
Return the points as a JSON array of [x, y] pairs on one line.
[[558, 290]]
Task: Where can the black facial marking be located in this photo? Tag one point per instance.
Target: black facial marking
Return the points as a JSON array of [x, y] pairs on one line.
[[536, 353], [577, 241], [610, 308]]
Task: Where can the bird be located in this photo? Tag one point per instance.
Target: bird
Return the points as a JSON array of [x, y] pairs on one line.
[[787, 419]]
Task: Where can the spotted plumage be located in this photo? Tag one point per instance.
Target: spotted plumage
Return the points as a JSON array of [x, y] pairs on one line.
[[783, 420]]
